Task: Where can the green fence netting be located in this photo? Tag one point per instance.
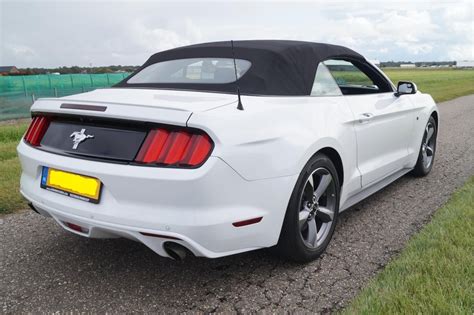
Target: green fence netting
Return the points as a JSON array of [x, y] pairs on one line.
[[17, 93]]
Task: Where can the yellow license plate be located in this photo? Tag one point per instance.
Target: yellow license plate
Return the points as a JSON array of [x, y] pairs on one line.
[[69, 184]]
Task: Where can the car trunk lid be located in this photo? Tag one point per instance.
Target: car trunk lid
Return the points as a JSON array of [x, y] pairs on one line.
[[146, 105]]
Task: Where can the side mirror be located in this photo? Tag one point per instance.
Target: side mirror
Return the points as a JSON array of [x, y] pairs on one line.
[[406, 87]]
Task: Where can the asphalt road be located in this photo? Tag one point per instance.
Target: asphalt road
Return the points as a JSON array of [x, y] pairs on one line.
[[44, 269]]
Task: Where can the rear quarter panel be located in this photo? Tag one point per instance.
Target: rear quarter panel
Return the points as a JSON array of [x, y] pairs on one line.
[[276, 136]]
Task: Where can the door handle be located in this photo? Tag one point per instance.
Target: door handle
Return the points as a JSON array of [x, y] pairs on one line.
[[365, 118]]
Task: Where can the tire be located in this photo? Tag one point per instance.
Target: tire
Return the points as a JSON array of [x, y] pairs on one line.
[[297, 238], [427, 153]]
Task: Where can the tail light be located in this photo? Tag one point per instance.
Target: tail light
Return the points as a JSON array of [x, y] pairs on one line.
[[183, 148], [36, 130]]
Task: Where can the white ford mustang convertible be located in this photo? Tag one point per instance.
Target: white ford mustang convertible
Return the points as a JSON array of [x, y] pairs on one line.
[[221, 148]]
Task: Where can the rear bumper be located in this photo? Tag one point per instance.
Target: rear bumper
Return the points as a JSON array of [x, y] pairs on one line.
[[194, 207]]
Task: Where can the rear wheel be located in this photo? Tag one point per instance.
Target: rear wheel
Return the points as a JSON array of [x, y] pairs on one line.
[[427, 152], [312, 211]]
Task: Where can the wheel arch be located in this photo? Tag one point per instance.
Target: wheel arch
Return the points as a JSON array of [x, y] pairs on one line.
[[336, 151], [336, 159], [435, 116]]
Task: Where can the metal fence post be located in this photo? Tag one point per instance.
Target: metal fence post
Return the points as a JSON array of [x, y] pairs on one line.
[[72, 81], [33, 98], [24, 85], [55, 92], [92, 83]]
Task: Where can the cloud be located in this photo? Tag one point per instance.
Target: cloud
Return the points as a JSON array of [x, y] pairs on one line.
[[460, 12], [21, 51], [415, 48], [461, 52], [411, 31], [153, 39], [44, 33]]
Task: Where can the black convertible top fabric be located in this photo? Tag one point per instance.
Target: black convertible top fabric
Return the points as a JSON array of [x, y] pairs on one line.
[[279, 67]]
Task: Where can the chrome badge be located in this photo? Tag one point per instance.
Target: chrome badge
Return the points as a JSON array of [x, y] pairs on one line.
[[78, 137]]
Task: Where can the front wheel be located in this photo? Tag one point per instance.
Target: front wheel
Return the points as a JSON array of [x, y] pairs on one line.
[[424, 164], [312, 212]]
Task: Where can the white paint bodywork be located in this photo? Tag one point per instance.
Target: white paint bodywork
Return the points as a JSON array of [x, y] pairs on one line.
[[258, 156]]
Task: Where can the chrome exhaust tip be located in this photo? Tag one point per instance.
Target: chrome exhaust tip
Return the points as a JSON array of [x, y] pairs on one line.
[[176, 251]]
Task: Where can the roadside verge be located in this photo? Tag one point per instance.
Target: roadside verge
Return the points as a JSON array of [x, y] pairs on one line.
[[434, 273]]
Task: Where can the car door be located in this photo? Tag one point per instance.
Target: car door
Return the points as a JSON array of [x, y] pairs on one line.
[[382, 121]]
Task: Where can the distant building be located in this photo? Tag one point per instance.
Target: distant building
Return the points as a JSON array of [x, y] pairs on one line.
[[407, 65], [8, 70], [465, 64]]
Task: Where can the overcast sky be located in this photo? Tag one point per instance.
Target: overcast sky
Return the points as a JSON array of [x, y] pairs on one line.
[[65, 33]]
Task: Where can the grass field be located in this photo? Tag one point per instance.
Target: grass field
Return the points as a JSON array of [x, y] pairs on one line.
[[442, 84], [10, 198], [435, 272]]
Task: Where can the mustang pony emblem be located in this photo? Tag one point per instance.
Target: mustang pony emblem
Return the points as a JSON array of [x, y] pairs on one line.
[[78, 137]]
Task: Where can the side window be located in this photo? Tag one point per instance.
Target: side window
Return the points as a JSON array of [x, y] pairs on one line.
[[324, 84], [350, 79]]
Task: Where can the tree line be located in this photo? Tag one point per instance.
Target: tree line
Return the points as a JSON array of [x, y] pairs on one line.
[[76, 69], [418, 63]]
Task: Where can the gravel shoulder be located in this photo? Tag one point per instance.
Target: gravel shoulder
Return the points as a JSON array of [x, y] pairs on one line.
[[45, 269]]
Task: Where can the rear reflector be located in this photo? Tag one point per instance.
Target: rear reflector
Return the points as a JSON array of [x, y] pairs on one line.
[[247, 222], [36, 130], [76, 227], [178, 148]]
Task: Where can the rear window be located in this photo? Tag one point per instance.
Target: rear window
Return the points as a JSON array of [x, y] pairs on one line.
[[192, 70]]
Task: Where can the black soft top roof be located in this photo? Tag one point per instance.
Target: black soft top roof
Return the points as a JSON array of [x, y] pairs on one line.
[[279, 67]]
